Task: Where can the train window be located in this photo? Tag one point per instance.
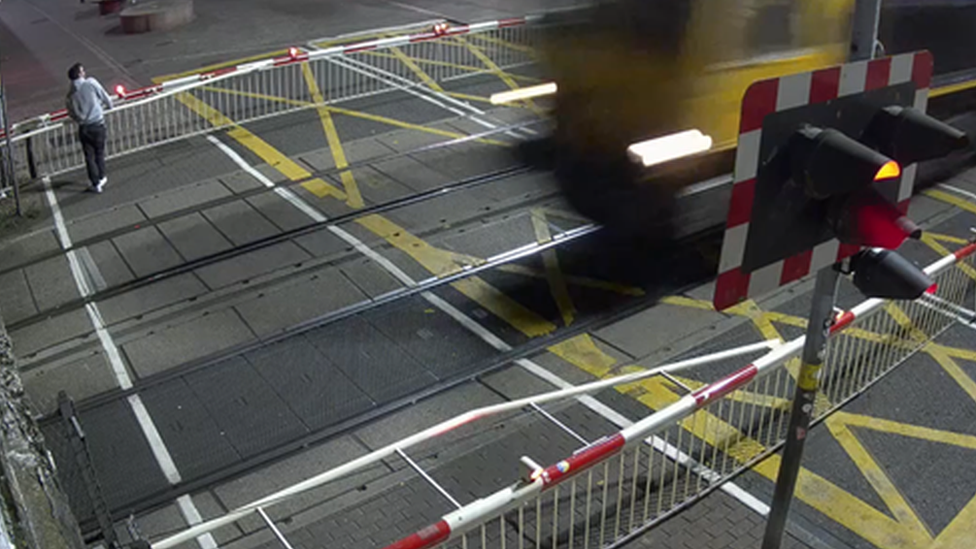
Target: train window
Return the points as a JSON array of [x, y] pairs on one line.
[[660, 26], [771, 26]]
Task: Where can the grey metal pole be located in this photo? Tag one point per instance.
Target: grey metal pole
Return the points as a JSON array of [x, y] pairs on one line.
[[867, 18], [11, 176], [807, 383]]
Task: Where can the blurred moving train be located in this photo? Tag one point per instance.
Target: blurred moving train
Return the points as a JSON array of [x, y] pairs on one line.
[[632, 70]]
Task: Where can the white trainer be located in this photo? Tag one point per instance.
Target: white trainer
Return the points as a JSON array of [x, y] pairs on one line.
[[101, 184]]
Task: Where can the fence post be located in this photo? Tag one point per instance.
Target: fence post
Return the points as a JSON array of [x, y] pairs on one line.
[[79, 447], [31, 164], [807, 383], [867, 17]]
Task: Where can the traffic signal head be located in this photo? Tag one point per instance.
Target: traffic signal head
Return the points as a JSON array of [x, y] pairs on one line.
[[887, 275], [866, 218], [910, 136], [828, 163]]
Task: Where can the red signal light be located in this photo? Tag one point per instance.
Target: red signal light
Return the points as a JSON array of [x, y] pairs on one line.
[[120, 90], [890, 170], [293, 52], [440, 29]]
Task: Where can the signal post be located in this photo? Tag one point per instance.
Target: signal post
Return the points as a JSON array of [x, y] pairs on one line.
[[824, 173]]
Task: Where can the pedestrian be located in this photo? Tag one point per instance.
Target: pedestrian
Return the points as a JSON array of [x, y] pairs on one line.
[[86, 102]]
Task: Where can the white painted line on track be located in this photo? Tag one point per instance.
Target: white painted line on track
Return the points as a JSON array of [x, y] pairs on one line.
[[192, 516], [163, 458], [488, 337]]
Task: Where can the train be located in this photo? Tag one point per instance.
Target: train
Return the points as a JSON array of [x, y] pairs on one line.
[[627, 71]]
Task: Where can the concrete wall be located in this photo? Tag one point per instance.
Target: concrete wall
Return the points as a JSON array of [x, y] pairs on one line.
[[35, 512]]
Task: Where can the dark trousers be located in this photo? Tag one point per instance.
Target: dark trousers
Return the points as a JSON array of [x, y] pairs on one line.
[[92, 138]]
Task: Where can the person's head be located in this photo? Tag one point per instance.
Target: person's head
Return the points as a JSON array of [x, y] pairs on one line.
[[76, 71]]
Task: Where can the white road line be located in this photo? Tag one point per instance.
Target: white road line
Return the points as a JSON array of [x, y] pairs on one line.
[[390, 78], [957, 190], [155, 441], [94, 275], [488, 337], [192, 516]]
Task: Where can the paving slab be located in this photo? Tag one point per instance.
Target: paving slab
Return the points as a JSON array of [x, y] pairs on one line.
[[123, 460], [281, 212], [51, 282], [356, 151], [184, 198], [375, 187], [378, 366], [147, 251], [269, 172], [30, 339], [125, 216], [194, 237], [240, 182], [174, 345], [24, 249], [490, 238], [656, 328], [412, 173], [193, 437], [369, 277], [301, 300], [240, 222], [106, 265], [430, 336], [88, 376], [282, 474], [323, 244], [314, 389], [406, 141], [251, 264], [16, 301], [424, 414], [148, 298], [251, 417]]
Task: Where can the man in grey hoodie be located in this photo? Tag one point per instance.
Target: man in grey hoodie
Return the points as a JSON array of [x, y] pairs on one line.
[[86, 101]]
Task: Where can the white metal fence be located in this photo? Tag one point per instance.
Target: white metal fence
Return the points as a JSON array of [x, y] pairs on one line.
[[616, 488], [197, 104]]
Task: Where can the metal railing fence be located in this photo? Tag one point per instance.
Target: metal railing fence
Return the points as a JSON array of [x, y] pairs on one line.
[[615, 489], [701, 435], [421, 64]]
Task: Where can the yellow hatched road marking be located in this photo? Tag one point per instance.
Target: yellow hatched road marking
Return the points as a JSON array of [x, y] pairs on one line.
[[410, 64], [947, 238], [876, 476], [409, 126], [288, 167], [359, 114], [252, 95], [503, 43], [466, 68], [354, 197], [442, 262], [954, 370], [932, 242], [950, 199], [582, 351], [554, 275], [497, 71]]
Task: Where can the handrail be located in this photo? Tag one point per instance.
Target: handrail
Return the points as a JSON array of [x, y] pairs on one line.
[[447, 426], [147, 94], [458, 522]]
